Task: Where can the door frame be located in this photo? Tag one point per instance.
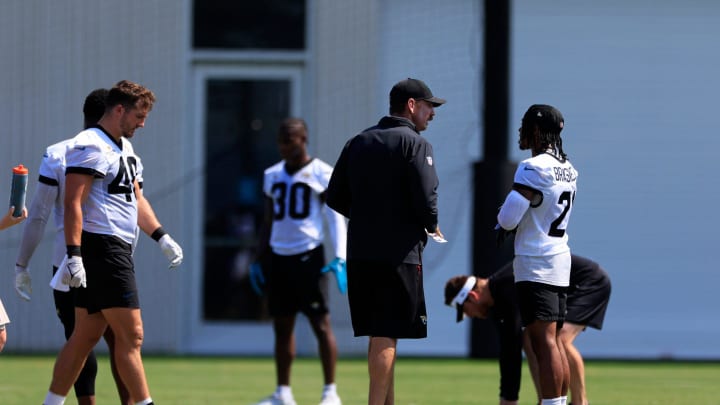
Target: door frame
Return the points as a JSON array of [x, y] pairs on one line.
[[199, 335]]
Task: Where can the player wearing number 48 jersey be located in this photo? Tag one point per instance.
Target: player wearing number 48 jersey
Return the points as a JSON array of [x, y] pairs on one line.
[[292, 254], [47, 201], [104, 205], [538, 208]]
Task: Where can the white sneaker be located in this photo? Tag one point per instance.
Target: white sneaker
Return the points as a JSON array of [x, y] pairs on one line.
[[276, 400], [330, 399]]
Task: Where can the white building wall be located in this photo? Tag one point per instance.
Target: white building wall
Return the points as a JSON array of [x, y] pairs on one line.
[[53, 54], [636, 82]]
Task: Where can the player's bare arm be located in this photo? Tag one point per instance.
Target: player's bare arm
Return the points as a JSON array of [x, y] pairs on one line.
[[147, 220], [77, 189]]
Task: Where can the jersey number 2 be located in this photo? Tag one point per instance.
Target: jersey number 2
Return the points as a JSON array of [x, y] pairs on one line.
[[566, 199]]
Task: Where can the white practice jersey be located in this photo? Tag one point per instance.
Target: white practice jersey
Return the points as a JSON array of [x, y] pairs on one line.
[[298, 210], [542, 229], [52, 173], [111, 207]]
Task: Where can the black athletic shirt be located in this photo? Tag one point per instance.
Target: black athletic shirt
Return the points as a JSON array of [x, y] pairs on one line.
[[385, 182]]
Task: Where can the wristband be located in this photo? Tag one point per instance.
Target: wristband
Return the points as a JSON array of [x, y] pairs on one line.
[[73, 250], [158, 233]]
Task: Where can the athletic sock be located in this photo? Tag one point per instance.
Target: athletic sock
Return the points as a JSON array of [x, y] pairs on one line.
[[564, 400], [53, 399], [284, 392], [146, 401], [552, 401], [329, 389]]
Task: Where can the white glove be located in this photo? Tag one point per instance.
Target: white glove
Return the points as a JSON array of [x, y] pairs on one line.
[[172, 250], [23, 283], [76, 271]]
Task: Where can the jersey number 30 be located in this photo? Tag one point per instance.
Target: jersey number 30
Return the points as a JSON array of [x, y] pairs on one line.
[[566, 199], [298, 205]]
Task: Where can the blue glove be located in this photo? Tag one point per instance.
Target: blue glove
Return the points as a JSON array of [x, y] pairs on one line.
[[257, 280], [339, 267]]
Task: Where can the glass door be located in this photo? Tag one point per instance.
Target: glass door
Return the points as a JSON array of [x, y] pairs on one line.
[[239, 110]]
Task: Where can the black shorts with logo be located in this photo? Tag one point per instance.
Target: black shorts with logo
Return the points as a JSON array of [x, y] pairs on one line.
[[387, 300], [542, 302], [589, 293], [110, 274], [295, 284]]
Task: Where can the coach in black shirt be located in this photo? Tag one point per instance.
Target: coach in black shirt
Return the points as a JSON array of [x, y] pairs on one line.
[[385, 182]]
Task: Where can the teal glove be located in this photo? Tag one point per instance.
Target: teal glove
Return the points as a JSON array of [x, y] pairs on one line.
[[339, 267], [257, 279]]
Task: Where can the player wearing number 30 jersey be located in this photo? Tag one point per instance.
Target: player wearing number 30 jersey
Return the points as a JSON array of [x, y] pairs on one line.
[[293, 272], [298, 209]]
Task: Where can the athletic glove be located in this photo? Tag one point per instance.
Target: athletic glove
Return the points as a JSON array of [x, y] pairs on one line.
[[172, 250], [257, 279], [501, 234], [23, 284], [339, 267], [75, 272]]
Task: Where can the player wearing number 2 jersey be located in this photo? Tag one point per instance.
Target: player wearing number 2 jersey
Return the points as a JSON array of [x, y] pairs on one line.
[[294, 192], [539, 206]]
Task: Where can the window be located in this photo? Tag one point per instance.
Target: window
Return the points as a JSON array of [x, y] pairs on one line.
[[266, 24], [242, 118]]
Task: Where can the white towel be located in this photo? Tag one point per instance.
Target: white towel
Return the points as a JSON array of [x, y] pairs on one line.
[[61, 278]]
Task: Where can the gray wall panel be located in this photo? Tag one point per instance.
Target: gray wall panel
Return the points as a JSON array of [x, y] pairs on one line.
[[53, 54]]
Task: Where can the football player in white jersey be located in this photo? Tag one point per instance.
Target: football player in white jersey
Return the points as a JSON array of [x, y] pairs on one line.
[[7, 221], [538, 209], [48, 198], [295, 276], [103, 207]]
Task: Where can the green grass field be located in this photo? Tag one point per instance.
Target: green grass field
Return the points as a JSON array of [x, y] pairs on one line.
[[242, 381]]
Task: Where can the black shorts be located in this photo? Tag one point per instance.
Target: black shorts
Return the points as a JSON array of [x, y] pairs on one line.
[[587, 300], [110, 274], [387, 300], [541, 302], [295, 284]]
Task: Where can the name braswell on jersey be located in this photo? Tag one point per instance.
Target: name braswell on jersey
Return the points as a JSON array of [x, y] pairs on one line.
[[542, 253], [566, 174], [542, 231]]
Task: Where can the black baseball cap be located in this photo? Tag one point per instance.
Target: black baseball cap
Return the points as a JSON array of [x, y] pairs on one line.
[[413, 88], [548, 118]]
